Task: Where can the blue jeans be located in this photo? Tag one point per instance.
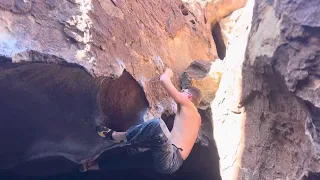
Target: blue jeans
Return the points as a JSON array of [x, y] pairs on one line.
[[153, 134]]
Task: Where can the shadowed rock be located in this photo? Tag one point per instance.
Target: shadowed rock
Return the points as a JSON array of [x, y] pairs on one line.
[[51, 110]]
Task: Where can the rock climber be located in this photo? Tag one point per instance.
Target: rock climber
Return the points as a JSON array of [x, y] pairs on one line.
[[168, 149]]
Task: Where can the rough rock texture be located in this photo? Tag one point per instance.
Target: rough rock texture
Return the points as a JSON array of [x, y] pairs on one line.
[[285, 59], [275, 132]]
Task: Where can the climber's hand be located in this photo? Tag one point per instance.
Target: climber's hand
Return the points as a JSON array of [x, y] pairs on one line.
[[169, 72]]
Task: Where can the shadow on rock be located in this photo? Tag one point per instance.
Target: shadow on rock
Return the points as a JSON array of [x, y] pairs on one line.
[[50, 111]]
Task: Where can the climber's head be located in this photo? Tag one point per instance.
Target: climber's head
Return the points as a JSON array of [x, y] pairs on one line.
[[193, 94]]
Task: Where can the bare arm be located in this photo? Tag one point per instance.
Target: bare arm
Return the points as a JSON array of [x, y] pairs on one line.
[[165, 80]]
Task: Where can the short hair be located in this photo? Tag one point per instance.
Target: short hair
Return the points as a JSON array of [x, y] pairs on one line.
[[196, 95]]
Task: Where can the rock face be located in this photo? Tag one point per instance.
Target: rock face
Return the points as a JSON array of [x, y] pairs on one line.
[[285, 61], [106, 37], [276, 134]]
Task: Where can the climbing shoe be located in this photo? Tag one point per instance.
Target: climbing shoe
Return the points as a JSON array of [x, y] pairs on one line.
[[105, 132]]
